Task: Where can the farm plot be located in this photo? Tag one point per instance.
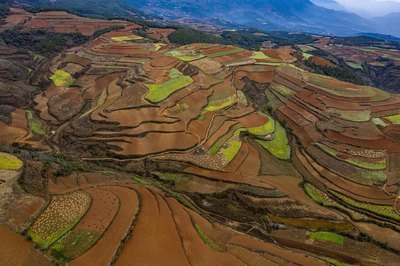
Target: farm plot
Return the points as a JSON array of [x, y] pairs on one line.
[[62, 214], [279, 146], [185, 54], [103, 208], [159, 92], [34, 124], [127, 38], [62, 79], [9, 162]]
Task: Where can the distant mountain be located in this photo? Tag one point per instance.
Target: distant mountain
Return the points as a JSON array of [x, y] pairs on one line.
[[330, 4], [92, 8], [290, 15], [388, 24], [384, 37]]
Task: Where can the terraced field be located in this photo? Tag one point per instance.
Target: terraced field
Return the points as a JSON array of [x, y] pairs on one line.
[[205, 154]]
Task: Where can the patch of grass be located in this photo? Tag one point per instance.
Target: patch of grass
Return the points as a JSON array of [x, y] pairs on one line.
[[282, 89], [217, 105], [323, 199], [9, 162], [207, 240], [279, 146], [178, 197], [259, 55], [127, 38], [172, 177], [62, 79], [381, 210], [183, 106], [140, 180], [232, 146], [354, 65], [327, 236], [201, 117], [73, 244], [159, 92], [229, 52], [267, 128], [187, 57], [380, 165], [378, 122], [307, 56], [354, 116], [35, 124], [395, 119]]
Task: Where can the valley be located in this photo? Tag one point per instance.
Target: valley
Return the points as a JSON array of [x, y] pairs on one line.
[[120, 147]]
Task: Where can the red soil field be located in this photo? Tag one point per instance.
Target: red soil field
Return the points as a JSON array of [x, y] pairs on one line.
[[154, 237], [15, 250], [104, 250]]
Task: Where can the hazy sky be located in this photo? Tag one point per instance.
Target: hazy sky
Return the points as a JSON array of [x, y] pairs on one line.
[[371, 7]]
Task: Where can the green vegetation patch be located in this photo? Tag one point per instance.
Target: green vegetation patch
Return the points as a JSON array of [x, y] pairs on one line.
[[229, 52], [324, 200], [260, 56], [159, 92], [186, 56], [207, 240], [172, 177], [279, 146], [60, 216], [395, 119], [307, 56], [62, 79], [354, 115], [381, 210], [379, 165], [34, 124], [217, 105], [74, 243], [327, 236], [282, 89], [9, 162], [354, 65], [140, 180], [378, 122], [232, 146], [127, 38]]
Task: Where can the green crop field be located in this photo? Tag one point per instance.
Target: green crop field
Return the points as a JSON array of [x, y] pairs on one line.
[[206, 239], [232, 146], [127, 38], [35, 124], [381, 210], [181, 55], [327, 236], [380, 165], [259, 55], [378, 122], [140, 180], [354, 116], [217, 105], [159, 92], [229, 52], [279, 146], [9, 162], [395, 119], [282, 89], [73, 244], [62, 79]]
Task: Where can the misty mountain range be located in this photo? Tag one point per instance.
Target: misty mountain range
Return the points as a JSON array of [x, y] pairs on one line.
[[316, 16]]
